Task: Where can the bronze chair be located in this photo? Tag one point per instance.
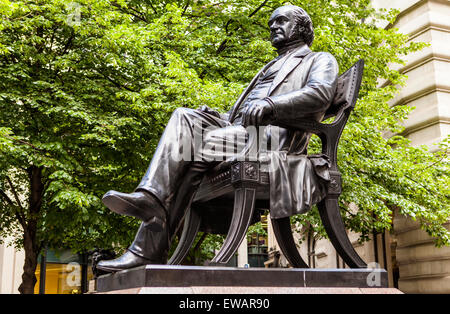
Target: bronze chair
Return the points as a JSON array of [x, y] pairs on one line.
[[243, 187]]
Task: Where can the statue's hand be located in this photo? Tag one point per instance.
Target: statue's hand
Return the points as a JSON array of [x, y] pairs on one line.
[[257, 113], [206, 109]]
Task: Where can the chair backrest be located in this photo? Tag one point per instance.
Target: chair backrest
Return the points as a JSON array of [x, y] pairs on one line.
[[343, 103], [346, 91]]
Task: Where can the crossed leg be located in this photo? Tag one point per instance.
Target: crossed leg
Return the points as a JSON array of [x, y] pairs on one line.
[[192, 143]]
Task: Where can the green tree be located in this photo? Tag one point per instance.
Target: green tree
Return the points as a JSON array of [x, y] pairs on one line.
[[86, 89]]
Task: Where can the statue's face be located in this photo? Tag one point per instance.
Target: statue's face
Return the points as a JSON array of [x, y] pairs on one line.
[[282, 26]]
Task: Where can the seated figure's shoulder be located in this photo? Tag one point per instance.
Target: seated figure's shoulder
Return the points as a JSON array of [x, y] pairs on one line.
[[327, 59]]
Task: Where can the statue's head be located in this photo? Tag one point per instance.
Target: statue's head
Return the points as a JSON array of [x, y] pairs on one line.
[[290, 23]]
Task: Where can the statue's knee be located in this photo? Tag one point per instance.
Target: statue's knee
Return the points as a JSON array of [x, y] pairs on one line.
[[177, 115], [184, 114], [182, 111]]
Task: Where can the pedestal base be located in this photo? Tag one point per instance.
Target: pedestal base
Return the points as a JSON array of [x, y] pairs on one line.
[[232, 280]]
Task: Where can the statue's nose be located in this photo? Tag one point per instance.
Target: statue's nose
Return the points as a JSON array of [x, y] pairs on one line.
[[273, 24], [274, 30]]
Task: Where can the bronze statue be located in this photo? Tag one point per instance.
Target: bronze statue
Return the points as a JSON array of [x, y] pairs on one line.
[[298, 84]]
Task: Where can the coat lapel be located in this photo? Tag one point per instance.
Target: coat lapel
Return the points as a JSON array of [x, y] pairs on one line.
[[291, 63], [237, 104]]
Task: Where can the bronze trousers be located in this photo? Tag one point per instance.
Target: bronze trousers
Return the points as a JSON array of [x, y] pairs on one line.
[[193, 142]]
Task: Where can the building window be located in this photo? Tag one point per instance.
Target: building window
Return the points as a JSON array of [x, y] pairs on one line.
[[257, 246], [62, 272]]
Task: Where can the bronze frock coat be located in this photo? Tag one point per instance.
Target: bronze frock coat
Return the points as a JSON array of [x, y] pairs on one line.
[[303, 88]]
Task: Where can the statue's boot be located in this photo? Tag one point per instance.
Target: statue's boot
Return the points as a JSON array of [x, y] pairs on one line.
[[145, 243], [140, 204], [148, 247], [126, 261]]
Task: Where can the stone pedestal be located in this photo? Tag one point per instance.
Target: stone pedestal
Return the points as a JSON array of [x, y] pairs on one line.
[[232, 280]]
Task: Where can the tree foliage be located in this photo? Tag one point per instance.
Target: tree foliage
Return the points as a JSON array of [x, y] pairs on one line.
[[86, 89]]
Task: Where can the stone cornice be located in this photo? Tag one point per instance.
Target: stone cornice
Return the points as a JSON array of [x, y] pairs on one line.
[[412, 8]]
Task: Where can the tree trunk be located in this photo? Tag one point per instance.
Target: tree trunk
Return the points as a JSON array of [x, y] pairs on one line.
[[31, 260], [30, 244]]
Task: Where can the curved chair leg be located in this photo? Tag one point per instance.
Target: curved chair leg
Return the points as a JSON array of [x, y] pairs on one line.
[[244, 205], [334, 226], [283, 234], [190, 230]]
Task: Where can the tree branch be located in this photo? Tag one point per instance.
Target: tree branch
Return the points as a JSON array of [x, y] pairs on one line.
[[222, 75], [25, 143], [137, 14], [14, 192], [114, 82], [20, 218], [153, 8], [444, 155], [188, 2], [6, 197], [200, 241], [68, 43], [258, 8], [46, 183], [224, 42]]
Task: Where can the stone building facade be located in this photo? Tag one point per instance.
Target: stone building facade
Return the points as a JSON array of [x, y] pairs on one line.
[[11, 268]]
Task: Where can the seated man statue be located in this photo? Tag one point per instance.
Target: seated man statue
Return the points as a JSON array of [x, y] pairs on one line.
[[298, 83]]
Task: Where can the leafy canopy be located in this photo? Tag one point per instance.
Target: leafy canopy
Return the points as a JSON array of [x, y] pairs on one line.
[[86, 89]]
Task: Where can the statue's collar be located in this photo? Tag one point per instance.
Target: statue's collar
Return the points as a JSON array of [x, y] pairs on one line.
[[298, 45]]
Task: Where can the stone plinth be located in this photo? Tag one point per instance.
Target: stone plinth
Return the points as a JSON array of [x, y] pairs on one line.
[[197, 279], [252, 290]]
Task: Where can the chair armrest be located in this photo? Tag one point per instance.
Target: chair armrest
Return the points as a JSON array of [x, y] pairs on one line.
[[314, 126], [303, 125]]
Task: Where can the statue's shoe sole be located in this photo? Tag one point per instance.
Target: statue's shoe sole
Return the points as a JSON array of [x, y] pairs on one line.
[[110, 269], [123, 207]]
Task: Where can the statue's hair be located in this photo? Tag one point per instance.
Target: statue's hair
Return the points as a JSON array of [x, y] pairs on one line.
[[304, 27]]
